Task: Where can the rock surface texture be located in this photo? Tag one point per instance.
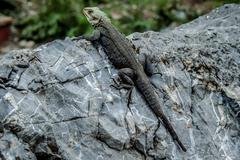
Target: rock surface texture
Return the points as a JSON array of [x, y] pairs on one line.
[[57, 103]]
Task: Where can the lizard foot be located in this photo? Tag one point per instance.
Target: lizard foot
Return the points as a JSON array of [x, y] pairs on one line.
[[77, 38], [118, 84]]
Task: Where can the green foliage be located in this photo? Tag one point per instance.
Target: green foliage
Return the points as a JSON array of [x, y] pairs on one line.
[[55, 18], [60, 18], [173, 11]]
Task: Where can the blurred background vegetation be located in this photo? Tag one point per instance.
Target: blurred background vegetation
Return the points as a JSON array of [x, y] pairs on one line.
[[45, 20]]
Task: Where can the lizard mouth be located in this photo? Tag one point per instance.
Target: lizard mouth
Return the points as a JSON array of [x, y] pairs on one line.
[[85, 12]]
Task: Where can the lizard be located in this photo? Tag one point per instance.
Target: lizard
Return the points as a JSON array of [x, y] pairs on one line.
[[123, 57]]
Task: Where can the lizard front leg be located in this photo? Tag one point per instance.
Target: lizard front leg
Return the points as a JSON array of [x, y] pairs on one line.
[[94, 37]]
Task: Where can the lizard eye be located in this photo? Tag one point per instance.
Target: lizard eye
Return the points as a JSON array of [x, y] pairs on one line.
[[90, 11]]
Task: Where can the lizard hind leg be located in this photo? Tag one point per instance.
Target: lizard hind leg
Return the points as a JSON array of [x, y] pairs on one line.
[[147, 65], [126, 76]]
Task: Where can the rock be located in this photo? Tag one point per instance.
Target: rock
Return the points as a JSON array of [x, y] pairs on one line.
[[57, 103], [13, 148]]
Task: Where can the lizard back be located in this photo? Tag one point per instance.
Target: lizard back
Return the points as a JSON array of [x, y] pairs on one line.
[[117, 47]]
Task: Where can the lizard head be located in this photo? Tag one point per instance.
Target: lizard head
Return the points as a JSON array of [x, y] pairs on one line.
[[94, 15]]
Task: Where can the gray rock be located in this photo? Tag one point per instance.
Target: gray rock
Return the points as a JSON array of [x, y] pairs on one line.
[[57, 103]]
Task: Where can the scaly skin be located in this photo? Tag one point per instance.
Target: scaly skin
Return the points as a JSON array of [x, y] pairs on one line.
[[122, 56]]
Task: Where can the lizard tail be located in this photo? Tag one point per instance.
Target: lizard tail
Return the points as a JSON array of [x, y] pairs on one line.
[[152, 99], [172, 132]]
